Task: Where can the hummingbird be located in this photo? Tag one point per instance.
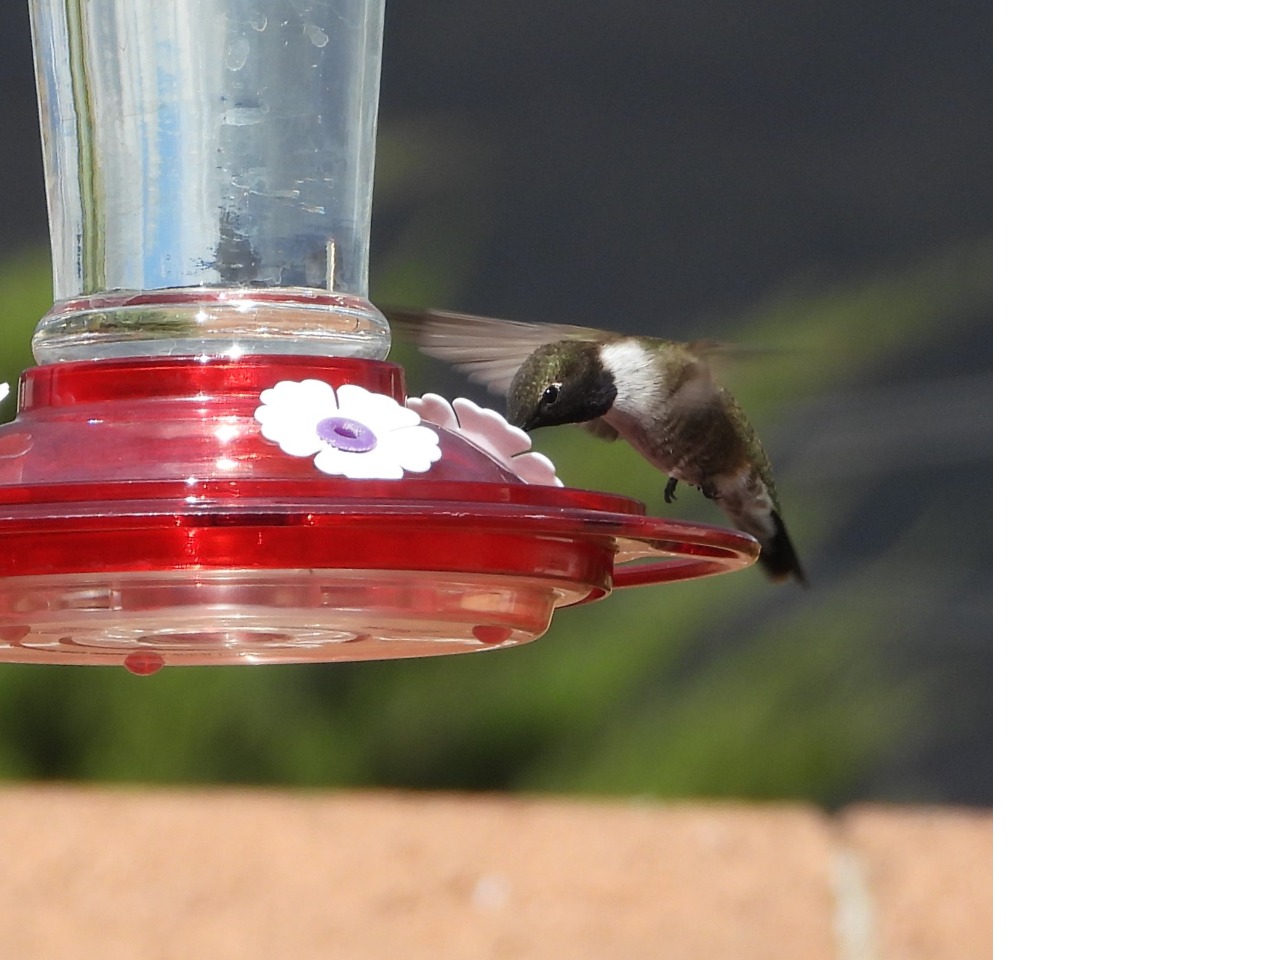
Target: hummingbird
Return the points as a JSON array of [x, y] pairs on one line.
[[659, 395]]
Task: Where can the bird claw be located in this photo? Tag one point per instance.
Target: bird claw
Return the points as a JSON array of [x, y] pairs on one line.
[[669, 494]]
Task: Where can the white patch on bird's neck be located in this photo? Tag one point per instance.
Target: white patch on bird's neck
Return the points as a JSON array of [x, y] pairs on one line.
[[638, 378]]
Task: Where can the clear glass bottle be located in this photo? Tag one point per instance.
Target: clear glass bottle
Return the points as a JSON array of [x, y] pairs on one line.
[[209, 169]]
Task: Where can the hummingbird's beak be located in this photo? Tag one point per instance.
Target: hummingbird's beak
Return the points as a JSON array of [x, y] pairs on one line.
[[525, 419]]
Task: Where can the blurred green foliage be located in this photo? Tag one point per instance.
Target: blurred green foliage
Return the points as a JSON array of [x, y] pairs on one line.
[[26, 285]]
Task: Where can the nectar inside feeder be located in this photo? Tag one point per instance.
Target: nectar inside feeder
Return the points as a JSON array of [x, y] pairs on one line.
[[211, 463]]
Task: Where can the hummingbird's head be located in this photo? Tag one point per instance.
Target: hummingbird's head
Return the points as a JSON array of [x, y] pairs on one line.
[[562, 382]]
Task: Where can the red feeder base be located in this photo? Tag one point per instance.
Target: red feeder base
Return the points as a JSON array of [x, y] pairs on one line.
[[145, 520]]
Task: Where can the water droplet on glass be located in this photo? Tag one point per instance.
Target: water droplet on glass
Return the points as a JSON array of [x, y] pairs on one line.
[[258, 21], [15, 444], [143, 663], [244, 116], [315, 34], [237, 53]]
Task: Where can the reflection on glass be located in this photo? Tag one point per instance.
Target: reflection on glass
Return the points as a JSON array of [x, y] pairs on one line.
[[209, 169]]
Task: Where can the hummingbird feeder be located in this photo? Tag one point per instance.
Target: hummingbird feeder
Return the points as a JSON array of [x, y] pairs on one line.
[[211, 463]]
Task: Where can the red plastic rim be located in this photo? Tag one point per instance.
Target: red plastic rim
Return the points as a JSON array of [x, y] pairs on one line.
[[342, 524], [143, 514]]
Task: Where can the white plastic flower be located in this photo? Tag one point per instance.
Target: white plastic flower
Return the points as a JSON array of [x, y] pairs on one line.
[[489, 431], [355, 433]]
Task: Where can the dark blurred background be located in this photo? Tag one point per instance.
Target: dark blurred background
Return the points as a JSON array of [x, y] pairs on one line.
[[812, 178]]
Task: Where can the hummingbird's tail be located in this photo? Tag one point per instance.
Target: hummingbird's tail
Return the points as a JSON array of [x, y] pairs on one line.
[[778, 555]]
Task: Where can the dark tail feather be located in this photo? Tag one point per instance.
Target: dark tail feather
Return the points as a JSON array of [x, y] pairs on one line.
[[778, 555]]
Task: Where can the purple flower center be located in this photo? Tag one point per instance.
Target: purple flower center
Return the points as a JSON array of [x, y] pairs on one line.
[[347, 435]]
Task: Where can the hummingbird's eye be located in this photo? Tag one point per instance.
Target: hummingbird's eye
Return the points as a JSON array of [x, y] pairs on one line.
[[551, 394]]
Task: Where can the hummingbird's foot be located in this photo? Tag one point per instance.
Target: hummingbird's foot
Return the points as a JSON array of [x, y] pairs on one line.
[[709, 491], [669, 494]]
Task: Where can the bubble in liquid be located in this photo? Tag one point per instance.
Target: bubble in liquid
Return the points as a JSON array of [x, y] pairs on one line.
[[143, 663]]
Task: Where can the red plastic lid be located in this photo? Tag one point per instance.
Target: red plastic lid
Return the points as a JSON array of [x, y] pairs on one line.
[[143, 511]]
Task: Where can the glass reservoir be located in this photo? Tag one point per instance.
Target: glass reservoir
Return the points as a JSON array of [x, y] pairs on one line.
[[209, 171]]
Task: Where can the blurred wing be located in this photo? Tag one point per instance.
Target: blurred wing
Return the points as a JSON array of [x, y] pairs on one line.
[[489, 351], [728, 361]]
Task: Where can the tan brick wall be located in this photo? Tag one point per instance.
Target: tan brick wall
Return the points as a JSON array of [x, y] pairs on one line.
[[195, 874]]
